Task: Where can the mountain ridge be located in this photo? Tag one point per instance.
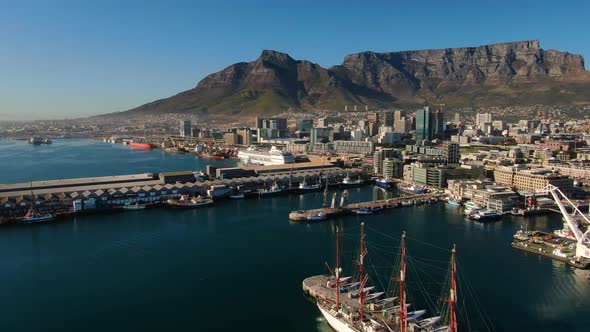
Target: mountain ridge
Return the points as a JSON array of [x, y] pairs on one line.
[[496, 74]]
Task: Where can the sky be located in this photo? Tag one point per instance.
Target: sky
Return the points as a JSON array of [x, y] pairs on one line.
[[68, 59]]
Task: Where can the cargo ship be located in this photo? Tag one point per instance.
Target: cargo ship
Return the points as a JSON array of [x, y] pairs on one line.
[[140, 144]]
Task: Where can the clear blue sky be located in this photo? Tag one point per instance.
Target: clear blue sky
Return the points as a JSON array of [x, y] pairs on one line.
[[77, 58]]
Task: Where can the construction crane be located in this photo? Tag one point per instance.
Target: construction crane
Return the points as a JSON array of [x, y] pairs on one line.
[[582, 238]]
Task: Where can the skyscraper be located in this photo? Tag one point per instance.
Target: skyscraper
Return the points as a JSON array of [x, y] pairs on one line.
[[186, 128], [424, 124], [388, 119], [439, 123], [373, 117]]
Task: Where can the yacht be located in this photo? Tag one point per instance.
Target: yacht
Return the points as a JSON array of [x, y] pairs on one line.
[[486, 215]]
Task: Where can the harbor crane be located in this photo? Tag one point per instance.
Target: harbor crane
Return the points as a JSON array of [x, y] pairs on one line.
[[582, 237]]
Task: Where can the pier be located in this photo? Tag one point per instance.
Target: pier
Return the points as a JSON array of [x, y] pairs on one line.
[[546, 250], [332, 212]]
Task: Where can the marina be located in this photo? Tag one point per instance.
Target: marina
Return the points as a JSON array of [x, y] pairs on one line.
[[189, 250]]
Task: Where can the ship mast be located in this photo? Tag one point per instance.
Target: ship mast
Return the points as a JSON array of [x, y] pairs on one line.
[[362, 278], [337, 271], [453, 294], [402, 295]]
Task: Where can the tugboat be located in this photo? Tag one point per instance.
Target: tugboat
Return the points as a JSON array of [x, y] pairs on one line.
[[33, 216], [305, 187]]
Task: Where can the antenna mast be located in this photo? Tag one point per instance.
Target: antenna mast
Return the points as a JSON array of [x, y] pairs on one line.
[[362, 278], [453, 293], [403, 324]]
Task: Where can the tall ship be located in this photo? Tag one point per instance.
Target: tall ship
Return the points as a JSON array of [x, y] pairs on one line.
[[272, 157], [350, 305]]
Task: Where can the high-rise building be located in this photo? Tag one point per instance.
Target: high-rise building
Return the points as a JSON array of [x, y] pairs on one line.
[[186, 128], [305, 125], [481, 119], [373, 117], [388, 119], [439, 123], [322, 122], [402, 125], [279, 124], [244, 136], [424, 121], [451, 152], [397, 115], [373, 129], [320, 135], [230, 138]]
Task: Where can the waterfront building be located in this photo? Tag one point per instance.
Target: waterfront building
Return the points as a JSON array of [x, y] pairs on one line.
[[392, 168], [424, 124], [354, 147], [527, 180], [186, 129], [437, 177]]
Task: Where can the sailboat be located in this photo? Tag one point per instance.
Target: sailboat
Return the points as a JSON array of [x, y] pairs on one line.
[[33, 216], [365, 311]]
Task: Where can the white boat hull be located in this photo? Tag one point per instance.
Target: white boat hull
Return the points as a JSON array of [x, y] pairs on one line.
[[335, 323]]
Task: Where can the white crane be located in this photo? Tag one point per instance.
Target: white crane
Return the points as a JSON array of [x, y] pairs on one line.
[[582, 238]]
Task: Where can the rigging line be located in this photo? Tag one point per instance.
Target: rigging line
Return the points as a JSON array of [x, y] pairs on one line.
[[429, 244], [421, 287], [486, 320]]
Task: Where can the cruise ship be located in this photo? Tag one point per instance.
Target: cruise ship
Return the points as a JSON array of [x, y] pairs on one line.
[[273, 157]]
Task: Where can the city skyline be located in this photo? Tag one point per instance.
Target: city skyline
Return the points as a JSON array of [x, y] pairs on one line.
[[67, 60]]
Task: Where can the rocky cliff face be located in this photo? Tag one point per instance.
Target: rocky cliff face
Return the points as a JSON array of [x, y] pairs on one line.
[[490, 74]]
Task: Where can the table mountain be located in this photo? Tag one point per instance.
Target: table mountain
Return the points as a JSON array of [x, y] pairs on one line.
[[497, 74]]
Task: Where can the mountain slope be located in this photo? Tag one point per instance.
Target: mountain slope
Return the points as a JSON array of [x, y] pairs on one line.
[[498, 74]]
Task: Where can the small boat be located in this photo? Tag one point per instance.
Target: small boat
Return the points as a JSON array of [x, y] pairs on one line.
[[361, 211], [237, 196], [348, 182], [306, 187], [316, 217], [189, 203], [407, 203], [385, 183], [274, 190], [36, 218], [454, 202], [134, 207], [412, 190], [522, 235], [486, 215]]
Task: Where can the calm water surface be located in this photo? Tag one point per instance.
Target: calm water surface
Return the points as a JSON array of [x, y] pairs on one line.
[[241, 263]]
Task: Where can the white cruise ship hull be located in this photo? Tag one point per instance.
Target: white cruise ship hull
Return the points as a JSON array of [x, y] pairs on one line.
[[335, 323]]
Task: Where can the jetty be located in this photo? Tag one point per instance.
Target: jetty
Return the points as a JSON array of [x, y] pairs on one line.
[[348, 209]]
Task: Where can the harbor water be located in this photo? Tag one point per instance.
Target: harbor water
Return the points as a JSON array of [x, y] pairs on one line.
[[240, 264]]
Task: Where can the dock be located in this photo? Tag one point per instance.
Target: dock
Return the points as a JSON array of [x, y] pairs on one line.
[[332, 212], [543, 249]]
